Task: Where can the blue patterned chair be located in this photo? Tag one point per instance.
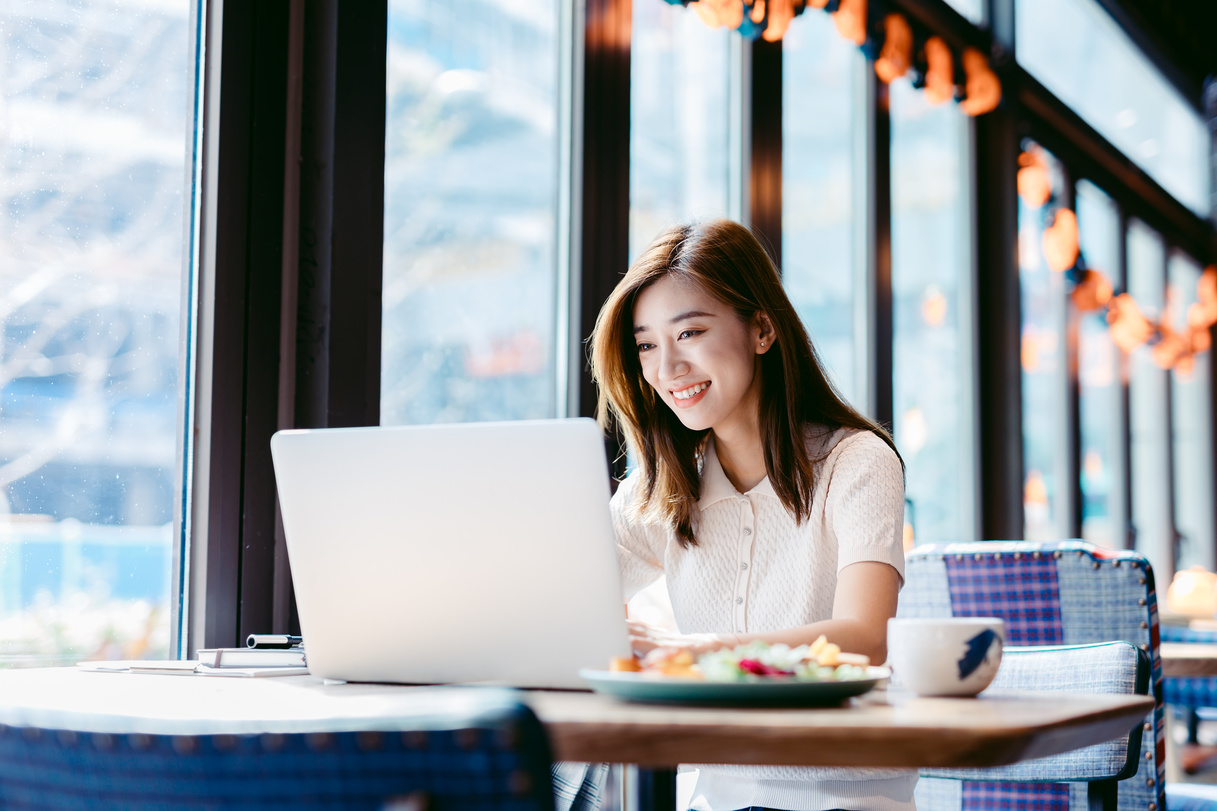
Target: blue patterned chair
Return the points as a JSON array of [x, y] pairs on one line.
[[1107, 667], [1063, 593], [497, 760]]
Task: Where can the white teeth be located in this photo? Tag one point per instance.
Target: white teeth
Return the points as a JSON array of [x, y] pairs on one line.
[[689, 392]]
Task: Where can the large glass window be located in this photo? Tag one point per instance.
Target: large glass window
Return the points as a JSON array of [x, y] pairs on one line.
[[1100, 388], [94, 109], [1044, 374], [818, 135], [680, 120], [1149, 409], [1079, 53], [471, 191], [1191, 427], [931, 267]]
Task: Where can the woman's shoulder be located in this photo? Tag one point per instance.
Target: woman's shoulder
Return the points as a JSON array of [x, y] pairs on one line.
[[843, 444]]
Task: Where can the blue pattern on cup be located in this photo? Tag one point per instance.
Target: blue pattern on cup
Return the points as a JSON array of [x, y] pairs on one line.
[[978, 648]]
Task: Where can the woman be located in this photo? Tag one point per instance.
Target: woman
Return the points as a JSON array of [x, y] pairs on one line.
[[774, 508]]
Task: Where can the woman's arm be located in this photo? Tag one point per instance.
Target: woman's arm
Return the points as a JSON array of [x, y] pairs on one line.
[[864, 601]]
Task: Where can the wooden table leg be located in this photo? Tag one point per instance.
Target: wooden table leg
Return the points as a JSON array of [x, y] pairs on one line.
[[655, 789]]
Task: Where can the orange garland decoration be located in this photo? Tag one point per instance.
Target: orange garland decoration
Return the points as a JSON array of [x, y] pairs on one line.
[[940, 71], [850, 18], [983, 87], [1034, 182], [1092, 293], [897, 54], [781, 12], [720, 13], [1060, 241]]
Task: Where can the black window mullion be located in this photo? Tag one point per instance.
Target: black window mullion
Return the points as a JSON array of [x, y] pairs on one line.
[[604, 224], [245, 339], [321, 110], [879, 186], [1072, 485], [765, 160], [997, 302], [1123, 462]]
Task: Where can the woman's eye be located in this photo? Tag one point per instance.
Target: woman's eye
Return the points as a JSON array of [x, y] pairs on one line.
[[689, 333], [644, 347]]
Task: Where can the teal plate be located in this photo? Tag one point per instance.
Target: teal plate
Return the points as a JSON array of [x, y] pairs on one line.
[[773, 692]]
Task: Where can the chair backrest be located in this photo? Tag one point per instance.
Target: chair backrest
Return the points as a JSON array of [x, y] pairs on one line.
[[1062, 593], [496, 761]]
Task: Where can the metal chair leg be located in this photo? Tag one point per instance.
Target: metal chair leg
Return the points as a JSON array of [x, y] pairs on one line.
[[656, 790], [1101, 795]]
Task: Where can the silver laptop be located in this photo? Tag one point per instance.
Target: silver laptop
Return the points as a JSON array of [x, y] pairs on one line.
[[479, 552]]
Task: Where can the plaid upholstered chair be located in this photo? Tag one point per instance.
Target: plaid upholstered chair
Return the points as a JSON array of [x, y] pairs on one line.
[[1065, 593], [495, 760], [1108, 667]]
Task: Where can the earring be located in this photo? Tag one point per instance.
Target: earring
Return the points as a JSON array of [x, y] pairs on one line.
[[762, 343]]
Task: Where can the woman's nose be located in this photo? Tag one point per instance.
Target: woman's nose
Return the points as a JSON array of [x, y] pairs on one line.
[[671, 364]]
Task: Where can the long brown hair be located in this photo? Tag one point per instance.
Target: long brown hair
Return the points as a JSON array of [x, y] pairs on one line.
[[727, 261]]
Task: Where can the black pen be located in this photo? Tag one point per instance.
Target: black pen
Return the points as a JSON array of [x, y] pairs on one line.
[[273, 641]]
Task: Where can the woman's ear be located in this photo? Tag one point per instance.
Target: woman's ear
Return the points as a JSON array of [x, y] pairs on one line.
[[764, 333]]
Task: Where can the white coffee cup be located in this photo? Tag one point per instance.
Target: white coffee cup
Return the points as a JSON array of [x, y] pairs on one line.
[[945, 656]]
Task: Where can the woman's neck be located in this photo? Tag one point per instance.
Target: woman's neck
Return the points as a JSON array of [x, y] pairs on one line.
[[741, 457]]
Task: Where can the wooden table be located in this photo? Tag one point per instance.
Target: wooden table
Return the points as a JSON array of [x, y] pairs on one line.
[[879, 729], [1188, 659]]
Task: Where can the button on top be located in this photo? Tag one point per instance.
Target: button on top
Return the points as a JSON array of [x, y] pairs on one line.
[[747, 531]]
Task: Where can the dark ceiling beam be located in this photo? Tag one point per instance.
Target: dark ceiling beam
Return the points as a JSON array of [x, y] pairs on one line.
[[941, 19], [1164, 48]]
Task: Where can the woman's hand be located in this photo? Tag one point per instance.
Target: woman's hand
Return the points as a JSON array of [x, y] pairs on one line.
[[645, 638]]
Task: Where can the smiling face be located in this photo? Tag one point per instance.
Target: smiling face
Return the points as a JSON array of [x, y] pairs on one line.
[[698, 356]]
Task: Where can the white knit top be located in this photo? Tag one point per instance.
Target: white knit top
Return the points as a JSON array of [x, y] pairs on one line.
[[755, 569]]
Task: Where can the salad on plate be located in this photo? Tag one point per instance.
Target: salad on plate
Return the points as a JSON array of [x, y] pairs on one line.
[[755, 662]]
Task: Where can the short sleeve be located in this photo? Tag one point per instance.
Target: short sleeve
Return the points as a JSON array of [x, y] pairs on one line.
[[639, 545], [864, 506]]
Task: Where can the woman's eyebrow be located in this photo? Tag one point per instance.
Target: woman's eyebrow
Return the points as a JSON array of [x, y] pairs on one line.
[[691, 314], [677, 319]]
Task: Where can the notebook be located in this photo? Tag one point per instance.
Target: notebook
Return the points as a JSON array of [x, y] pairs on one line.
[[479, 552]]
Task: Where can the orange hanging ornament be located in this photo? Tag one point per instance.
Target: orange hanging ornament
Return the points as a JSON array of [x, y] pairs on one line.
[[720, 13], [1034, 182], [1128, 326], [781, 12], [1170, 349], [1203, 314], [850, 18], [897, 53], [982, 85], [939, 72], [1092, 292], [1061, 241]]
